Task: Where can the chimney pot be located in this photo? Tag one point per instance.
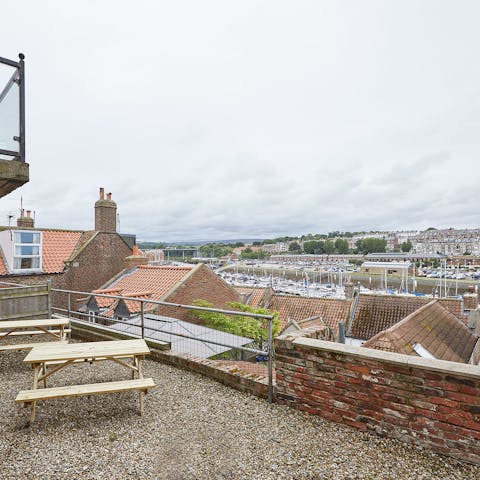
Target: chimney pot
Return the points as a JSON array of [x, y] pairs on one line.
[[105, 213], [28, 213]]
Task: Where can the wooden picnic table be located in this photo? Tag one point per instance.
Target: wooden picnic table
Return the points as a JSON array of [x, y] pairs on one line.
[[60, 356], [53, 327]]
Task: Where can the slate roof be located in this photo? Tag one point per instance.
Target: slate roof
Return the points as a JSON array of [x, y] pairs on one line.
[[433, 327], [375, 313], [172, 330], [330, 310]]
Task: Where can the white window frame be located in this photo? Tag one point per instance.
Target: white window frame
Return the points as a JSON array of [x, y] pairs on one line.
[[39, 256]]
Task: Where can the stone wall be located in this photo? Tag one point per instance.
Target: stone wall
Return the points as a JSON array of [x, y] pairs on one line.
[[432, 403]]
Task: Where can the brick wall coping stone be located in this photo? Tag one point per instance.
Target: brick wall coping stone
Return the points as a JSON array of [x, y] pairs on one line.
[[442, 366]]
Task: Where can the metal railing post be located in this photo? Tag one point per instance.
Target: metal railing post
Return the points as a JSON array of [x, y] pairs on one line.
[[22, 106], [49, 298], [143, 319], [69, 304], [270, 360]]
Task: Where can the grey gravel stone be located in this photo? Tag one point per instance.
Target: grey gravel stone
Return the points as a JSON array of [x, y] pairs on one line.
[[193, 428]]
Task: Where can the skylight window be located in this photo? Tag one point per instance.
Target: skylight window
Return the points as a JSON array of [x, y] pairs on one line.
[[27, 251], [422, 351]]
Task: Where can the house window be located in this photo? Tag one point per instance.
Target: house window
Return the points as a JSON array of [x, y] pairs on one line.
[[27, 251], [91, 316]]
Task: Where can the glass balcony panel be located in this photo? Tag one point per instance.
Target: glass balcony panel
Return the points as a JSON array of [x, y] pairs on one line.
[[9, 109]]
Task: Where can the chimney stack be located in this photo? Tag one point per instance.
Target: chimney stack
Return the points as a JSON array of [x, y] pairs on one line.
[[105, 213], [135, 259], [25, 221]]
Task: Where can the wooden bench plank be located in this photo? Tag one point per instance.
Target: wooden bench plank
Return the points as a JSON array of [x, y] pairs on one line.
[[33, 332], [33, 323], [28, 346], [27, 396]]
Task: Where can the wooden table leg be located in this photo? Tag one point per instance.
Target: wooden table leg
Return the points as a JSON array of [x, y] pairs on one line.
[[134, 363], [36, 373], [44, 372], [140, 375]]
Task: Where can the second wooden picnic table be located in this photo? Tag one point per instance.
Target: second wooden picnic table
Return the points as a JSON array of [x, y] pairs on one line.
[[52, 327], [60, 356]]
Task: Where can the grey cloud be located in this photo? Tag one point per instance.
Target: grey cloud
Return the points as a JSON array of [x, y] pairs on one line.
[[215, 119]]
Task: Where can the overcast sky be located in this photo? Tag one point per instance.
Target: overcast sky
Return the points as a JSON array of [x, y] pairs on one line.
[[241, 119]]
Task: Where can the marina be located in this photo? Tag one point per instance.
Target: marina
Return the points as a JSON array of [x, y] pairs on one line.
[[328, 281]]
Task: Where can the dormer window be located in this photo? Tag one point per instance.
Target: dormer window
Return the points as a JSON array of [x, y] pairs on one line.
[[27, 251]]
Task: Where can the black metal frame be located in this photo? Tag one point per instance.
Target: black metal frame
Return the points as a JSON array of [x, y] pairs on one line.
[[18, 77]]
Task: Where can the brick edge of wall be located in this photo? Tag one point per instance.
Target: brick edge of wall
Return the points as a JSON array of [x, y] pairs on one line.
[[432, 403]]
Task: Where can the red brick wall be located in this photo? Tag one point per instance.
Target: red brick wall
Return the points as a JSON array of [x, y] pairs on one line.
[[425, 402], [202, 284], [98, 262]]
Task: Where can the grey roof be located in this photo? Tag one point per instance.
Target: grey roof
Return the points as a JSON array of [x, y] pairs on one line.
[[398, 255], [170, 326]]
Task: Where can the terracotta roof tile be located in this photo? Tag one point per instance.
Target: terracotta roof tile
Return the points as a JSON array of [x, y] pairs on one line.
[[57, 247], [104, 302], [433, 327], [375, 313], [132, 305], [234, 366], [330, 310], [253, 295], [3, 267], [157, 280]]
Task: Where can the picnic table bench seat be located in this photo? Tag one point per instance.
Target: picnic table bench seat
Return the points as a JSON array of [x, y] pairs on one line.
[[141, 384], [29, 346]]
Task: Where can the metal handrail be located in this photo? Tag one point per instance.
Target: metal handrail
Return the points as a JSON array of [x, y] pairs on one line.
[[270, 352]]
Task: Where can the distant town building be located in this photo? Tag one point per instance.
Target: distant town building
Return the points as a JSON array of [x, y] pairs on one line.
[[448, 242]]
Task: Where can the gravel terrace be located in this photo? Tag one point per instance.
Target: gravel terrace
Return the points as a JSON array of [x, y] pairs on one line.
[[193, 428]]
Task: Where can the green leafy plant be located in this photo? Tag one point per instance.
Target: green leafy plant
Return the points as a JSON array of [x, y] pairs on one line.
[[254, 328]]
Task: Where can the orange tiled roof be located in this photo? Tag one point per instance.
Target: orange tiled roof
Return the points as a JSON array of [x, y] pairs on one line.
[[234, 366], [157, 280], [255, 294], [330, 310], [3, 267], [104, 302], [132, 305], [375, 313], [57, 247], [435, 328]]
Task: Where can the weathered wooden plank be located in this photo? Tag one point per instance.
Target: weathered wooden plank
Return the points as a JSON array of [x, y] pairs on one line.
[[29, 346], [80, 390], [88, 350]]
